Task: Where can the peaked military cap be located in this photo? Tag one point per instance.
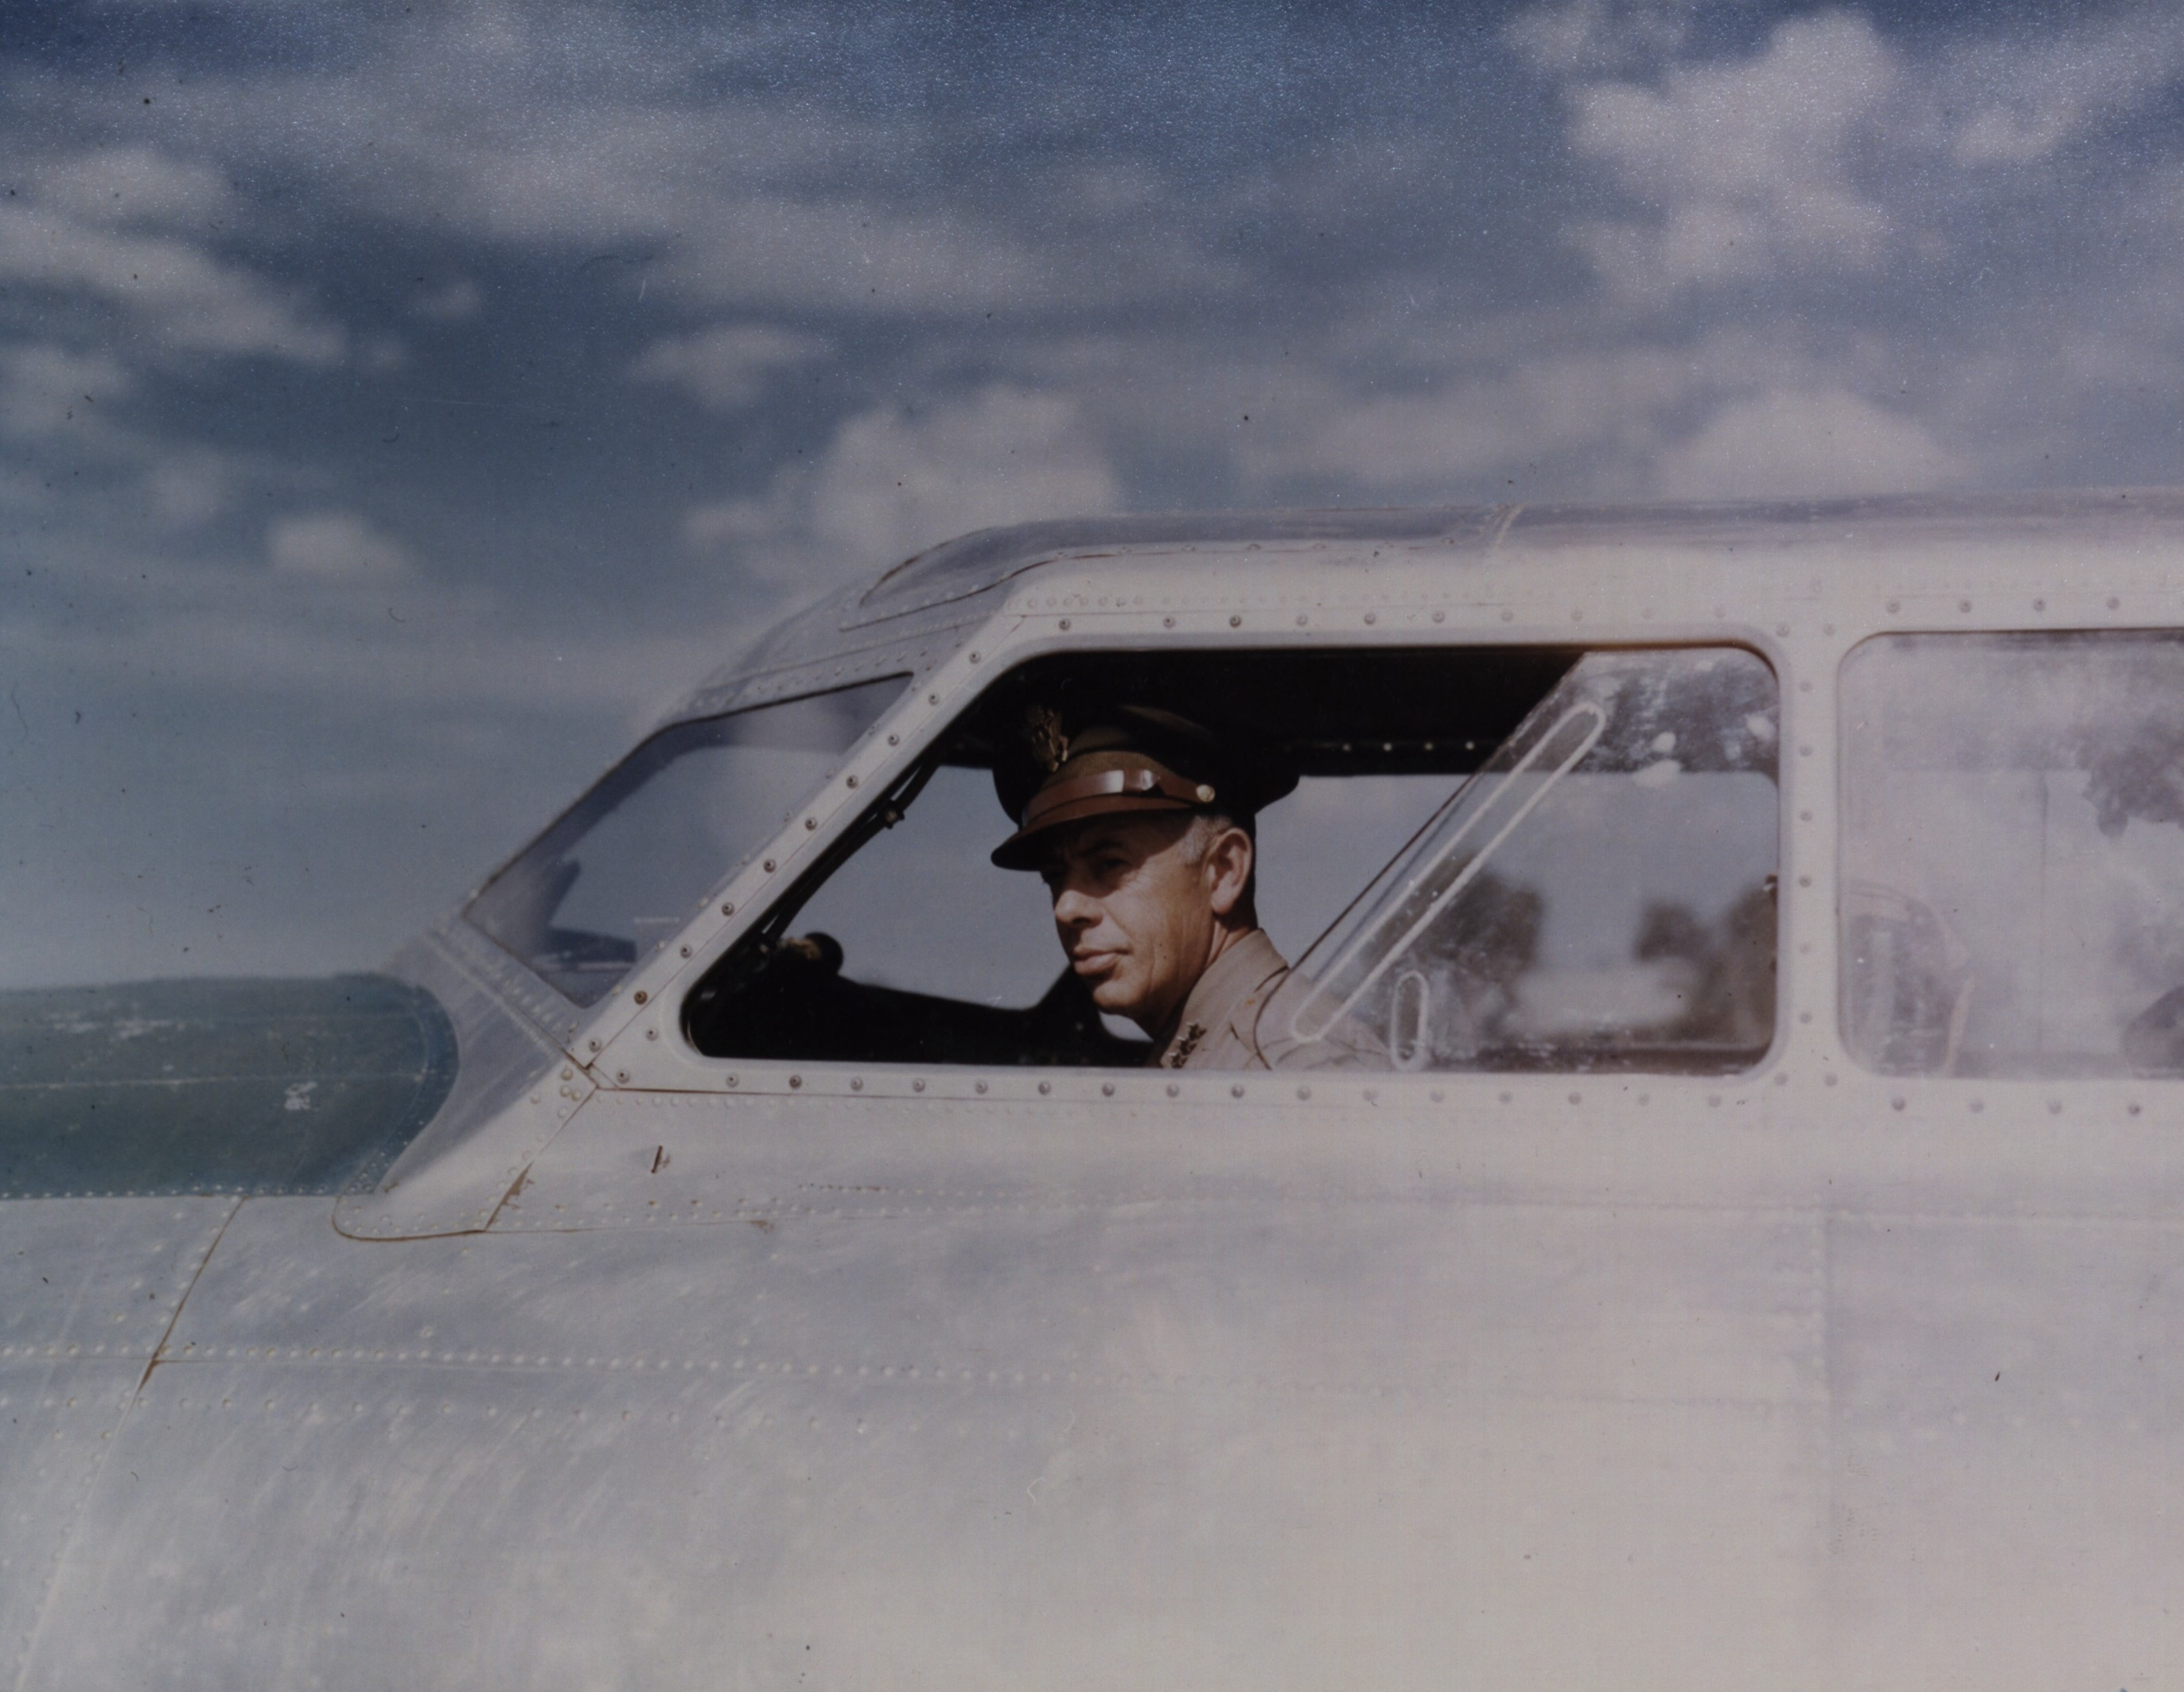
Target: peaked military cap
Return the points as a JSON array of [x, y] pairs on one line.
[[1122, 759]]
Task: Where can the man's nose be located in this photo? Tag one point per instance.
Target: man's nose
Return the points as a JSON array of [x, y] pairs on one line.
[[1072, 909]]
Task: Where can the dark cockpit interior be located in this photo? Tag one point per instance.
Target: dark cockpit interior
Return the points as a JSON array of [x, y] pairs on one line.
[[790, 993]]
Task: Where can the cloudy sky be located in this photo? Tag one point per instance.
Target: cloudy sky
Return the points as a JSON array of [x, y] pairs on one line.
[[400, 403]]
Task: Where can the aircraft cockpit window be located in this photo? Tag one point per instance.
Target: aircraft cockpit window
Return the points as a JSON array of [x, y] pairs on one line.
[[2013, 902], [625, 867], [1600, 895], [1484, 859]]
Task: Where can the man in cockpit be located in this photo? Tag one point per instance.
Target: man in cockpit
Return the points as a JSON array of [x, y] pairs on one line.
[[1143, 825]]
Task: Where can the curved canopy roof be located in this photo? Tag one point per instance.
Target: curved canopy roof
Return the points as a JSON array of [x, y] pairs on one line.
[[934, 590]]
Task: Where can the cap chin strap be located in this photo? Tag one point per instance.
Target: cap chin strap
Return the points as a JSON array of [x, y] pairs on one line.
[[1137, 782]]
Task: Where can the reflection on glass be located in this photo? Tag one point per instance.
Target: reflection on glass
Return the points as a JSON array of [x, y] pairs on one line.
[[2013, 854], [1600, 894], [625, 866]]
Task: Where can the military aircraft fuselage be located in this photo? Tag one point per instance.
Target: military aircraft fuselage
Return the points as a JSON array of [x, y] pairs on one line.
[[729, 1250]]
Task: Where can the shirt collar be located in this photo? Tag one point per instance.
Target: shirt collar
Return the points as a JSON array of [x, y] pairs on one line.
[[1248, 963]]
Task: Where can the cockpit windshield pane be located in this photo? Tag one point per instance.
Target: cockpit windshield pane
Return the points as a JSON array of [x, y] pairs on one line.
[[2012, 900], [626, 866]]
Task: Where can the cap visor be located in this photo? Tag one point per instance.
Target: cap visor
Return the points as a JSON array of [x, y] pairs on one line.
[[1025, 849]]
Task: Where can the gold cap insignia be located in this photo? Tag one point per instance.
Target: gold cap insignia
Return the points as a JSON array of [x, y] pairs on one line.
[[1043, 730]]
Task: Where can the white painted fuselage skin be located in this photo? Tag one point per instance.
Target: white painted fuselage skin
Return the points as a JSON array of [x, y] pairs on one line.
[[644, 1368]]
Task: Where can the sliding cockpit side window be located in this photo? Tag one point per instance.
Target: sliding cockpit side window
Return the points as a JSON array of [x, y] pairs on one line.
[[1497, 858], [2013, 849], [1600, 894], [625, 866]]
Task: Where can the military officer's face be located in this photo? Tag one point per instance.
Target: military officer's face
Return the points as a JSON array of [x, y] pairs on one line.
[[1139, 902]]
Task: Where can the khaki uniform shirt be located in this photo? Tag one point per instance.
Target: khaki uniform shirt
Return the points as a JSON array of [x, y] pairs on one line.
[[1218, 1028]]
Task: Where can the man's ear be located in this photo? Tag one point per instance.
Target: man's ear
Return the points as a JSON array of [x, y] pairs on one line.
[[1229, 870]]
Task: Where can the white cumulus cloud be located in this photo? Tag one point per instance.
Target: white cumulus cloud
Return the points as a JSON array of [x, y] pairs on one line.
[[2015, 104], [893, 482], [191, 298], [334, 546], [1820, 443], [450, 301], [1482, 423], [726, 367], [134, 185], [46, 389], [1748, 162], [1592, 35]]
